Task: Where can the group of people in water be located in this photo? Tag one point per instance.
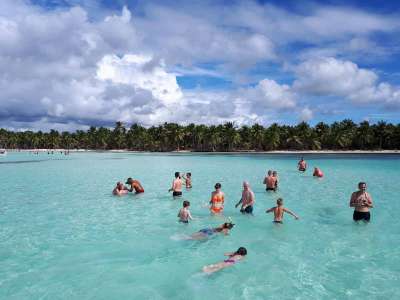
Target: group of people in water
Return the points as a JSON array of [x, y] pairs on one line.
[[360, 200]]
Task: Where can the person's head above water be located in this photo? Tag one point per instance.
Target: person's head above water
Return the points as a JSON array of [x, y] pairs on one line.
[[177, 174], [241, 251], [269, 172], [217, 186], [362, 186], [129, 180], [186, 203], [246, 185], [189, 174], [279, 201], [274, 173]]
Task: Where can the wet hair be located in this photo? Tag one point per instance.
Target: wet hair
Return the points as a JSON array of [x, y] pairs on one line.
[[241, 251], [228, 225], [217, 185], [176, 174], [269, 172], [186, 203], [362, 183], [188, 174], [279, 201], [275, 172]]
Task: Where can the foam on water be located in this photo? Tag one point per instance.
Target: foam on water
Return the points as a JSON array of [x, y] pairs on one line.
[[64, 236]]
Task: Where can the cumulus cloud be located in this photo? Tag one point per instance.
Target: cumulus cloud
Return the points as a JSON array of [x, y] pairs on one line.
[[306, 114], [334, 77]]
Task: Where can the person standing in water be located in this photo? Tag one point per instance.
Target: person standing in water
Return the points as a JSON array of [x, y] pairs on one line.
[[279, 210], [233, 257], [270, 181], [217, 200], [134, 185], [184, 214], [275, 175], [302, 165], [318, 172], [247, 199], [188, 180], [176, 186], [362, 202]]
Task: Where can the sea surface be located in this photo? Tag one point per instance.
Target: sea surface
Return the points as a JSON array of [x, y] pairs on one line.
[[63, 235]]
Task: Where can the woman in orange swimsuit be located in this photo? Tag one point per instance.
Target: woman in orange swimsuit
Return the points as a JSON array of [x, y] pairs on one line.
[[217, 200]]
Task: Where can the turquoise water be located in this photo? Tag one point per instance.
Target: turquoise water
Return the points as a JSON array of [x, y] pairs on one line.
[[64, 236]]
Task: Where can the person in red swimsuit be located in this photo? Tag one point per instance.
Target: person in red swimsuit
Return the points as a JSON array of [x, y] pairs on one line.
[[217, 200]]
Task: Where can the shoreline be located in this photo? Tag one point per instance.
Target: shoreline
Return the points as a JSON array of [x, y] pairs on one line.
[[231, 152]]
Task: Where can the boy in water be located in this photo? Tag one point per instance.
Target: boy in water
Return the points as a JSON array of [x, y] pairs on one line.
[[188, 180], [275, 175], [184, 213], [279, 210]]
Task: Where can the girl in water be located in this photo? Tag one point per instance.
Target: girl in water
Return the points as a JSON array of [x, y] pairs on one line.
[[232, 259], [205, 233]]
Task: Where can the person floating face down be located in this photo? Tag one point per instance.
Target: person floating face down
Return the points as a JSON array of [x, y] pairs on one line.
[[205, 233], [217, 200], [279, 210], [362, 202], [176, 185], [247, 201], [302, 165], [134, 186], [233, 257], [120, 189]]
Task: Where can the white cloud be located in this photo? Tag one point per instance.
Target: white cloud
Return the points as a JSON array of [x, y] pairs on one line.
[[306, 114], [140, 71], [333, 77]]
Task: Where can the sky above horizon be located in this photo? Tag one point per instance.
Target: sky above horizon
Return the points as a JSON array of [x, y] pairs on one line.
[[70, 64]]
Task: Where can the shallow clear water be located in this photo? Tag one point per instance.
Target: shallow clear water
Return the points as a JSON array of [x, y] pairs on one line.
[[64, 236]]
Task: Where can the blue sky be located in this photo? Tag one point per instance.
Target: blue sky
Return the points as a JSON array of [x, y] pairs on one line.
[[69, 64]]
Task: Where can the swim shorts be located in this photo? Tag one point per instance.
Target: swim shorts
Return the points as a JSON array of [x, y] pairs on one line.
[[247, 210], [184, 221], [361, 215], [270, 189], [175, 194], [277, 222]]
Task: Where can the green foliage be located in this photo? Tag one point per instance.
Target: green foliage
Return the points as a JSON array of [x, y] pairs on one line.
[[344, 135]]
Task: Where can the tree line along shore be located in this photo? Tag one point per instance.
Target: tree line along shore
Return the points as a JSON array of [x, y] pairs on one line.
[[344, 135]]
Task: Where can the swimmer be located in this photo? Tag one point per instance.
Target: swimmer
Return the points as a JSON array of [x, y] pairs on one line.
[[217, 200], [279, 210], [270, 181], [362, 202], [184, 214], [232, 259], [176, 186], [188, 180], [247, 199], [275, 175], [135, 185], [302, 165], [318, 172], [205, 233], [120, 189]]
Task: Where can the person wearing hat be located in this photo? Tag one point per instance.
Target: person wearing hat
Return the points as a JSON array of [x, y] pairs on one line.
[[134, 185]]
